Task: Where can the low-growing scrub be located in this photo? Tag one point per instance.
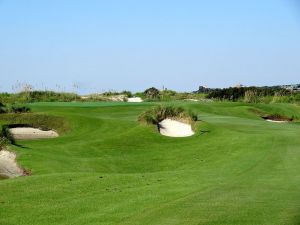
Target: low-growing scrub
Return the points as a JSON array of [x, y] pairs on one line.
[[38, 96], [19, 109], [159, 113], [14, 109]]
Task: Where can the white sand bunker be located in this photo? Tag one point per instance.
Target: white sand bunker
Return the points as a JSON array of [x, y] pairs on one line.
[[135, 99], [192, 100], [276, 121], [173, 128], [28, 133], [8, 166]]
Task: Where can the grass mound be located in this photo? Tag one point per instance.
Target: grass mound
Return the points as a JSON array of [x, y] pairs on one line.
[[159, 113]]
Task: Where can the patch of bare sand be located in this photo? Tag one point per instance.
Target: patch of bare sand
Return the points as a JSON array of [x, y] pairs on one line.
[[28, 133], [8, 165], [135, 99], [173, 128]]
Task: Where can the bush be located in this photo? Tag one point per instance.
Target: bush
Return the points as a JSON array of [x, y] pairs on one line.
[[152, 93], [2, 108], [19, 109], [159, 113]]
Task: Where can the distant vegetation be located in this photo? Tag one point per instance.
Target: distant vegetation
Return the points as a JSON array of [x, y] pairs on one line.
[[255, 95], [274, 94], [38, 96], [159, 113]]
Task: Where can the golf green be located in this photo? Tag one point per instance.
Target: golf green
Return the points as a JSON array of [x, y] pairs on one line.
[[107, 168]]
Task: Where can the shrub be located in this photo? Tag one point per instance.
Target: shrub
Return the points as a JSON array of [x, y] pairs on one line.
[[2, 108], [19, 109], [152, 93], [159, 113]]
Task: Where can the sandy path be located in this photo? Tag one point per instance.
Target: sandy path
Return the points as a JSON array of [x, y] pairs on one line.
[[8, 166], [173, 128], [24, 133]]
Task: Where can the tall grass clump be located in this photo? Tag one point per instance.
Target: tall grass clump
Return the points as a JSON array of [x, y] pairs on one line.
[[159, 113]]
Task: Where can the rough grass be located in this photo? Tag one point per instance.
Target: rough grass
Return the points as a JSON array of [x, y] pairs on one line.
[[111, 170]]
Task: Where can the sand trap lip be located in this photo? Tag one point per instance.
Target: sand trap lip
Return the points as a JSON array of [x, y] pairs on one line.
[[173, 128], [29, 133], [135, 99], [8, 165]]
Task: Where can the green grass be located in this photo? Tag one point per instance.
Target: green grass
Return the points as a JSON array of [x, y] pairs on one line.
[[110, 169]]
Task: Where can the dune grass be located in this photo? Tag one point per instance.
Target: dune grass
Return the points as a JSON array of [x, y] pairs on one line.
[[109, 169], [161, 112]]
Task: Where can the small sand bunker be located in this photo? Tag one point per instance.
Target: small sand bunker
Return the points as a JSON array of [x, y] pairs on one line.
[[135, 99], [29, 133], [173, 128], [277, 119], [8, 166], [192, 100]]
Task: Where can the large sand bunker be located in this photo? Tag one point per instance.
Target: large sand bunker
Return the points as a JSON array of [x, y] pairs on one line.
[[135, 99], [28, 133], [173, 128], [8, 166]]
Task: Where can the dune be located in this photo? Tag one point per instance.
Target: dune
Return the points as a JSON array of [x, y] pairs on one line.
[[135, 99], [8, 166], [24, 133], [173, 128]]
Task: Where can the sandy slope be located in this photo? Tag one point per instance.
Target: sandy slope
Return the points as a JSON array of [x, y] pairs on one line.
[[8, 165], [23, 133], [173, 128]]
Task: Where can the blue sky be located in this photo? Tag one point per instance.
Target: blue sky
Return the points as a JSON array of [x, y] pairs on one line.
[[134, 44]]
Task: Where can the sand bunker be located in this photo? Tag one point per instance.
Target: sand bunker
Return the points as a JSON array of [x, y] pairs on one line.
[[173, 128], [28, 133], [277, 121], [8, 166], [192, 100], [135, 99]]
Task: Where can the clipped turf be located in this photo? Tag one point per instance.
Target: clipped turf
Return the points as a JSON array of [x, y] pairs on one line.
[[109, 169]]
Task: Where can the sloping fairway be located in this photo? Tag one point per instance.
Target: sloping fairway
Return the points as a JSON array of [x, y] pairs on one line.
[[109, 169]]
